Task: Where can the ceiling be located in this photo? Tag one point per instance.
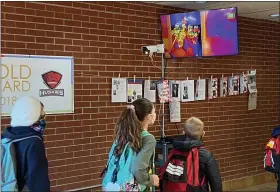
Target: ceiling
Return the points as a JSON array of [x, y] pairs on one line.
[[258, 10]]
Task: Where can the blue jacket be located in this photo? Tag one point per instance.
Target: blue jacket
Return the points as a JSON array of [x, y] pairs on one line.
[[32, 164]]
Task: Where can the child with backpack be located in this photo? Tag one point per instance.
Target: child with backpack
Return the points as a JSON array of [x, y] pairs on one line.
[[272, 155], [131, 157], [24, 164], [189, 166]]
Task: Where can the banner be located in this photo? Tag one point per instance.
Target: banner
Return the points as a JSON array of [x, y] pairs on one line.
[[48, 78]]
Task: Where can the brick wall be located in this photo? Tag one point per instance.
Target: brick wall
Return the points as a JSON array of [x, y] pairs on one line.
[[105, 39]]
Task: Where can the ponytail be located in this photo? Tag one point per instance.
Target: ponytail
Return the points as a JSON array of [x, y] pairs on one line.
[[128, 130]]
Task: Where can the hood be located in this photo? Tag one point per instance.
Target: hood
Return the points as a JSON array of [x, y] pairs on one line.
[[19, 132], [25, 112], [276, 131], [186, 144]]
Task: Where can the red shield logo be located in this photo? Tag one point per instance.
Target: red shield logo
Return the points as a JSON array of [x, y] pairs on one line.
[[52, 79]]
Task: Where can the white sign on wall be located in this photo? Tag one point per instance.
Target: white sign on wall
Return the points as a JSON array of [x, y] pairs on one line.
[[48, 78]]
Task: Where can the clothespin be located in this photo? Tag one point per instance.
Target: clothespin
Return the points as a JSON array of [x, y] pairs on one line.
[[243, 74], [232, 75], [222, 76], [199, 78], [211, 77], [134, 78], [187, 78], [119, 75], [149, 78]]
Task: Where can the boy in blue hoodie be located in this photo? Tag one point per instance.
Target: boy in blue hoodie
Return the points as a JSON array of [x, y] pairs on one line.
[[28, 119]]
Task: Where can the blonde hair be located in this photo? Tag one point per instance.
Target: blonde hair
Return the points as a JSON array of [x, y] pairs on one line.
[[194, 127]]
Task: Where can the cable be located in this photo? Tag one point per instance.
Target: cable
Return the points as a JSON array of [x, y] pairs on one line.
[[159, 115], [177, 129]]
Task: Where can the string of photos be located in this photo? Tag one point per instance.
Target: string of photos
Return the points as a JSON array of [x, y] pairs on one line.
[[176, 91]]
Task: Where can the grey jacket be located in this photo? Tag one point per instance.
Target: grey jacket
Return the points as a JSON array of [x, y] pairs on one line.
[[143, 163]]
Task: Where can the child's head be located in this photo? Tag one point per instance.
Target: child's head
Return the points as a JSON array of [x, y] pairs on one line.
[[194, 128], [130, 124]]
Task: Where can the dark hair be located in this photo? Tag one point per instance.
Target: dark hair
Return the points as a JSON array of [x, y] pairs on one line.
[[42, 105], [128, 128]]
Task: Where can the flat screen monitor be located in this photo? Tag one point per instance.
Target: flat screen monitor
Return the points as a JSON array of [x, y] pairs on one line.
[[181, 35], [200, 33], [219, 32]]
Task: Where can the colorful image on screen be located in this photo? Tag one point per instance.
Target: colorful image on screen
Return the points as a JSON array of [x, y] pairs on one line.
[[181, 34], [219, 32]]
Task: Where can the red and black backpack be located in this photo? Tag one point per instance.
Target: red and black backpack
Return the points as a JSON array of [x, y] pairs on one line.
[[181, 172], [272, 155]]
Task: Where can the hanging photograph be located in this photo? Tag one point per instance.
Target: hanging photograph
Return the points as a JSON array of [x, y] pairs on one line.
[[252, 85], [187, 90], [223, 86], [200, 89], [134, 90], [175, 89], [212, 88], [175, 111], [150, 90], [163, 91], [243, 83], [118, 90], [233, 85]]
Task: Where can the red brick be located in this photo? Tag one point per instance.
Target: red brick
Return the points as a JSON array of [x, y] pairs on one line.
[[64, 28], [73, 23], [32, 32], [25, 11], [35, 6], [106, 15], [9, 37], [41, 13], [11, 16], [97, 7], [89, 12], [73, 35], [44, 40], [36, 46], [14, 4], [35, 19], [63, 41]]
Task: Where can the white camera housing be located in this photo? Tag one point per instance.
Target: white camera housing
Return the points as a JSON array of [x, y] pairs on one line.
[[151, 49]]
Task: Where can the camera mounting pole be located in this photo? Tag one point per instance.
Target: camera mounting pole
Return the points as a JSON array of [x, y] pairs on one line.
[[150, 50]]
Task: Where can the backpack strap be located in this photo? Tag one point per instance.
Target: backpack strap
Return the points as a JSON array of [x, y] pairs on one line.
[[195, 166], [105, 169], [20, 139]]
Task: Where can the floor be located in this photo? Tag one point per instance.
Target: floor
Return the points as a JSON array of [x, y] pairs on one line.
[[268, 187]]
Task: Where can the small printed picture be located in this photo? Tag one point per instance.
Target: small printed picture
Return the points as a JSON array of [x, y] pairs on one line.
[[152, 85], [129, 99], [116, 82], [196, 89], [185, 93], [139, 96], [224, 88], [134, 93], [214, 84], [245, 84], [252, 79], [213, 92], [175, 89], [114, 92], [235, 84]]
